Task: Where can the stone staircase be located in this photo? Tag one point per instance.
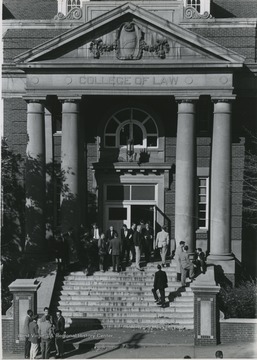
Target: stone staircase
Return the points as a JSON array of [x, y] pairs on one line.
[[124, 300]]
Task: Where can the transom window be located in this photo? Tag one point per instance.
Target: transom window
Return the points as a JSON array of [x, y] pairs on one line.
[[130, 192], [131, 124], [203, 202], [71, 4]]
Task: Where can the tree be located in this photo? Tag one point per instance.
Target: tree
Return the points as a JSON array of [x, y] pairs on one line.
[[12, 220], [250, 183]]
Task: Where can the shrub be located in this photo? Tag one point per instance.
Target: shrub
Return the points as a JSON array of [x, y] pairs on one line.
[[239, 301]]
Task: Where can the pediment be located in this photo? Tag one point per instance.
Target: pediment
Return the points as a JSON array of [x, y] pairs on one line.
[[129, 35]]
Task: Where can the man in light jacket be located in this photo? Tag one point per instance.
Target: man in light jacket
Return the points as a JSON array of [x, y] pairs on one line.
[[162, 242], [186, 265], [46, 334]]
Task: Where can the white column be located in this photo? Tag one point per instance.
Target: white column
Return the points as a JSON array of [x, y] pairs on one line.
[[220, 219], [35, 178], [185, 174], [70, 164]]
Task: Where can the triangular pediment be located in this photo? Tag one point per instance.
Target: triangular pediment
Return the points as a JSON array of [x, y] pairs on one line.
[[129, 35]]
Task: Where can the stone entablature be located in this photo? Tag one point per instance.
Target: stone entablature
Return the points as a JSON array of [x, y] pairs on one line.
[[183, 85]]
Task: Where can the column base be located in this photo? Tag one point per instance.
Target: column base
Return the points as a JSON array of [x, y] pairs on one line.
[[225, 266]]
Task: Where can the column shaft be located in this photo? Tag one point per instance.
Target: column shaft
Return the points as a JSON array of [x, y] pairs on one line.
[[35, 178], [70, 165], [221, 181], [185, 175]]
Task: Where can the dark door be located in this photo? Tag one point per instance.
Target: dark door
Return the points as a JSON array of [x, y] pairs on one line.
[[142, 212]]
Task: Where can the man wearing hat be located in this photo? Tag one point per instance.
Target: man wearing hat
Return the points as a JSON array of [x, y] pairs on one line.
[[160, 283]]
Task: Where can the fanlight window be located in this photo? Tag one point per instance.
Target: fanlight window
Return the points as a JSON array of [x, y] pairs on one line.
[[131, 124], [71, 4], [195, 4]]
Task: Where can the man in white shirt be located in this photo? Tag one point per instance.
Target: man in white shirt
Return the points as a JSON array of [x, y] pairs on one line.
[[162, 242]]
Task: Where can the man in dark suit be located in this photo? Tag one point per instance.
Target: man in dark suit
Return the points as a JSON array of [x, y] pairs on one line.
[[115, 247], [110, 233], [59, 331], [148, 241], [160, 283], [199, 261], [131, 242], [27, 321], [124, 234]]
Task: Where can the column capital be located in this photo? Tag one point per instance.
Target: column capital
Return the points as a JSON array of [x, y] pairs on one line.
[[37, 100], [223, 100], [183, 100], [69, 99]]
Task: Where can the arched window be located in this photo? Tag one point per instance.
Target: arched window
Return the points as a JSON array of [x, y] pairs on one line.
[[131, 124], [72, 4]]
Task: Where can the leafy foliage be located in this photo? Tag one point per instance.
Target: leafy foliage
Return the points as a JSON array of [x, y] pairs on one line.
[[12, 231], [250, 183], [239, 301]]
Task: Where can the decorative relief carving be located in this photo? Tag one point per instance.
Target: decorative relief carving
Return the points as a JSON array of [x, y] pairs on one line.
[[130, 44], [73, 14], [191, 13], [97, 48]]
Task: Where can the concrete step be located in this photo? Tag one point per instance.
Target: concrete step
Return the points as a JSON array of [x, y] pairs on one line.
[[142, 315], [78, 305], [132, 309], [117, 288], [130, 323], [112, 297]]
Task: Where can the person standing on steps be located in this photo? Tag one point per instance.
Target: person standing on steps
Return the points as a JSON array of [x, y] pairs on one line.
[[199, 261], [178, 261], [137, 239], [103, 246], [162, 242], [148, 241], [186, 265], [115, 247], [160, 283], [125, 233], [131, 242]]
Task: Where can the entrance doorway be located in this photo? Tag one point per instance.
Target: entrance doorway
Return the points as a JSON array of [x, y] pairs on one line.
[[117, 215], [142, 212]]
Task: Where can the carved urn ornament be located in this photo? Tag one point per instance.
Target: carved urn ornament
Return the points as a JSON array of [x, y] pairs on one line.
[[129, 42]]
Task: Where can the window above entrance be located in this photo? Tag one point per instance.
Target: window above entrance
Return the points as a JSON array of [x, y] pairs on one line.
[[71, 4], [130, 192], [201, 6], [131, 125]]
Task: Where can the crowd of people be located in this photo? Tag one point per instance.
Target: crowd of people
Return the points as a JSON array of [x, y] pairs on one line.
[[41, 334], [98, 250]]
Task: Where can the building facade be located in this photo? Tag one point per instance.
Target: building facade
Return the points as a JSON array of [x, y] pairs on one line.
[[124, 111]]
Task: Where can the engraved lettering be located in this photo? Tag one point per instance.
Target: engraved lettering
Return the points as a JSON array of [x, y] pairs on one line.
[[68, 80], [138, 80]]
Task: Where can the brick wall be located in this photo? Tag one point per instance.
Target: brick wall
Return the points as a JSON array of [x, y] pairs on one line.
[[233, 330], [7, 333], [15, 124]]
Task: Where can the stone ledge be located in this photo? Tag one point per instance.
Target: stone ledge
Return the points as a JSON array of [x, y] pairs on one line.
[[239, 321]]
